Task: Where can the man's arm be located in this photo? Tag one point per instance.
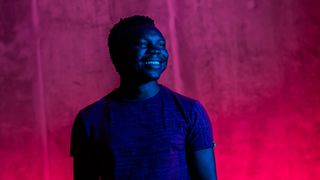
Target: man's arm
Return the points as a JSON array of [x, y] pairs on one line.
[[84, 161], [84, 169], [203, 164]]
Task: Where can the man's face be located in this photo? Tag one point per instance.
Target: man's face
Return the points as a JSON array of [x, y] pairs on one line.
[[144, 55]]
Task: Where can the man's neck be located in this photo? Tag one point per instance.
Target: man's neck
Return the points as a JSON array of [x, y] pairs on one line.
[[138, 91]]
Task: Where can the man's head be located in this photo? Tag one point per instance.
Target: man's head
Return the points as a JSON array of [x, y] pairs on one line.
[[137, 49]]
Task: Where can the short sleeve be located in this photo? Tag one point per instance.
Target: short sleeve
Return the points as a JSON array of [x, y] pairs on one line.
[[78, 137], [200, 133]]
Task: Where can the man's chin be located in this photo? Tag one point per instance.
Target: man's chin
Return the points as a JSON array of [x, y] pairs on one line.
[[149, 77]]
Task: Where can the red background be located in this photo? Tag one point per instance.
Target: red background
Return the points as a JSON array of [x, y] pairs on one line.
[[254, 64]]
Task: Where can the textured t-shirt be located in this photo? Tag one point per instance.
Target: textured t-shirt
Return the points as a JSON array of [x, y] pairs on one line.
[[142, 139]]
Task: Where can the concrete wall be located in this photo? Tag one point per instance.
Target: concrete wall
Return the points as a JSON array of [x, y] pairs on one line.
[[254, 64]]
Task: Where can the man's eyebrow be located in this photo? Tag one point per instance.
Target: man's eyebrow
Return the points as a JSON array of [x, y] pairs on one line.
[[144, 38], [136, 38]]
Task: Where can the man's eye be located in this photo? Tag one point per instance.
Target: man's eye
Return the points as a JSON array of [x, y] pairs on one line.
[[141, 44], [162, 43]]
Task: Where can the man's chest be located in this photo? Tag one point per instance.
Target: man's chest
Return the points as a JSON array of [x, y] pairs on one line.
[[145, 129]]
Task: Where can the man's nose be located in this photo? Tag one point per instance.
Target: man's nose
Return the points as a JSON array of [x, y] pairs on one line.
[[154, 50]]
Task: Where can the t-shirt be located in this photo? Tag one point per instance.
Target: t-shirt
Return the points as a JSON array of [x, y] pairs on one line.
[[142, 139]]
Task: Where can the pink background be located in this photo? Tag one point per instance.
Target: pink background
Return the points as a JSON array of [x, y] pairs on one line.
[[254, 64]]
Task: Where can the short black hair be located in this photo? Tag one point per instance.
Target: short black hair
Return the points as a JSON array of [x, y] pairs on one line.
[[118, 31]]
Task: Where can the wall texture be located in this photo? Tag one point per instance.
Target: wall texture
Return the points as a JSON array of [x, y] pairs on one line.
[[254, 64]]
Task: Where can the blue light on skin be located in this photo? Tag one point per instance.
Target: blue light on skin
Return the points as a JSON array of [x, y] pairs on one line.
[[139, 81], [143, 60]]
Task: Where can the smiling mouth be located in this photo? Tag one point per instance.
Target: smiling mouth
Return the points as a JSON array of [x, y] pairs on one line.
[[152, 62]]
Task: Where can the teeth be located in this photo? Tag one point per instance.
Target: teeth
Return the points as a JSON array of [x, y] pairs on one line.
[[152, 62]]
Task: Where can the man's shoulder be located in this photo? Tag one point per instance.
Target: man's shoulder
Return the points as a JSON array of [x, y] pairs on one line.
[[179, 98], [97, 107]]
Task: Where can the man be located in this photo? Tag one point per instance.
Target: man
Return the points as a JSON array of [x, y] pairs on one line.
[[142, 130]]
